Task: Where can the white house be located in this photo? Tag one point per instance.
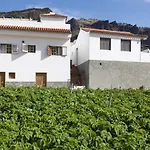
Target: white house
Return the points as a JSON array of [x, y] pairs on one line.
[[34, 52], [111, 59]]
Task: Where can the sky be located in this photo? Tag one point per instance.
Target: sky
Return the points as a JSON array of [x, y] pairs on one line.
[[123, 11]]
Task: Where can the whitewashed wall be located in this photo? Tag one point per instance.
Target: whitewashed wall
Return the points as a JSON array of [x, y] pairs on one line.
[[46, 22], [25, 65], [115, 54], [145, 57], [73, 53], [82, 44], [88, 45]]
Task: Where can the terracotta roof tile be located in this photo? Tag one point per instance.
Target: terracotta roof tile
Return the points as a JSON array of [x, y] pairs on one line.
[[114, 32], [24, 28]]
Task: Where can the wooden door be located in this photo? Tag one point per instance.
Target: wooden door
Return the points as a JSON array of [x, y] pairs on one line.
[[41, 79], [2, 79]]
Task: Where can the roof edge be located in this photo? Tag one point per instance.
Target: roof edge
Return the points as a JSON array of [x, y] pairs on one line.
[[38, 29], [114, 32]]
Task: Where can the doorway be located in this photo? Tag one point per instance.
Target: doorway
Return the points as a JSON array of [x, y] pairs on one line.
[[2, 79], [41, 79]]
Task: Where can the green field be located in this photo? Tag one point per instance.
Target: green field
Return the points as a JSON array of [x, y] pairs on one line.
[[33, 118]]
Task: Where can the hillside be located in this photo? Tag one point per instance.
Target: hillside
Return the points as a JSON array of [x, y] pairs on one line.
[[105, 24], [76, 24], [27, 13]]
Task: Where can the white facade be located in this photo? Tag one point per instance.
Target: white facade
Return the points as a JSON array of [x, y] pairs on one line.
[[88, 45], [80, 48], [46, 22], [26, 65]]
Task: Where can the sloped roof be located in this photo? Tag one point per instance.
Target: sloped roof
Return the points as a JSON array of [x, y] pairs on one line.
[[25, 28], [114, 32], [52, 14]]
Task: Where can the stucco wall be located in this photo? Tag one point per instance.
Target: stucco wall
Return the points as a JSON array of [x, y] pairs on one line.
[[104, 74], [145, 57], [46, 22], [115, 54], [25, 65], [73, 53], [82, 44], [88, 45], [53, 20]]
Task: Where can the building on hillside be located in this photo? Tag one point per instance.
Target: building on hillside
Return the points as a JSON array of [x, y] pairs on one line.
[[111, 59], [33, 52]]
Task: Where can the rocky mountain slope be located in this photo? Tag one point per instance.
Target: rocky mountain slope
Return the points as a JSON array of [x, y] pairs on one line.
[[76, 24], [105, 24], [27, 13]]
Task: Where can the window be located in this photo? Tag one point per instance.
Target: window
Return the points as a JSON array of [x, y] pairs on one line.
[[11, 75], [6, 48], [56, 50], [126, 45], [31, 48], [105, 43], [9, 48]]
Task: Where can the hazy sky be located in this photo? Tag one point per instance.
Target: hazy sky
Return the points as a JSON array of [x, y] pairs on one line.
[[124, 11]]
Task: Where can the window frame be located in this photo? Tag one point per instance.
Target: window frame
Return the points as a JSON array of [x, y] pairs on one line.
[[31, 48], [12, 75], [6, 48], [57, 50], [103, 38], [124, 40], [9, 48]]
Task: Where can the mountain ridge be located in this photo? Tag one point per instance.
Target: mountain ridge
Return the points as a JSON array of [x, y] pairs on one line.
[[26, 13], [105, 24]]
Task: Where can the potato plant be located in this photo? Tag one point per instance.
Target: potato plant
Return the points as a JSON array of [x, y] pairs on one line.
[[33, 118]]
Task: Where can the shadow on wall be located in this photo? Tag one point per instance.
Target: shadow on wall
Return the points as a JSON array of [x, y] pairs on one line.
[[41, 48], [16, 56], [44, 53], [21, 54]]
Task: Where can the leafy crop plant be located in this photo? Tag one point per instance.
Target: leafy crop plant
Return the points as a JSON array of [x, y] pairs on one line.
[[33, 118]]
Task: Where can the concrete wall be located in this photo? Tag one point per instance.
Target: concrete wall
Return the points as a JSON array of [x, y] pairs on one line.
[[25, 65], [104, 74], [116, 68], [115, 54], [49, 84], [85, 69]]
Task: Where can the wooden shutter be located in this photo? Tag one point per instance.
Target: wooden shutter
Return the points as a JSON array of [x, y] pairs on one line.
[[64, 51], [49, 50], [15, 49]]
